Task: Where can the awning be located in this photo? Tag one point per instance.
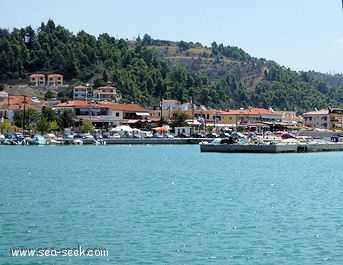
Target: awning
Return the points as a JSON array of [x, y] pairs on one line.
[[142, 113]]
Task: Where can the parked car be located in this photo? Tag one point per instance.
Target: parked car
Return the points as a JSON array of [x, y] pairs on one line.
[[97, 137], [184, 135], [79, 135], [88, 136], [212, 135], [157, 135], [68, 136], [9, 135], [116, 135], [169, 135], [108, 136], [146, 134], [2, 137], [198, 135]]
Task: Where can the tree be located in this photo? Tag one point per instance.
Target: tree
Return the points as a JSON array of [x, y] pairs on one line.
[[4, 125], [49, 95], [53, 126], [87, 126], [66, 119], [43, 125], [180, 120]]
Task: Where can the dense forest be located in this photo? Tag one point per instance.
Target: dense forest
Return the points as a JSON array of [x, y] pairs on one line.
[[146, 70]]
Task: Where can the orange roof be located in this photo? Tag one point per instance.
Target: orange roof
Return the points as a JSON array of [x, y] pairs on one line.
[[80, 86], [74, 104], [123, 107], [106, 87], [170, 100], [319, 112], [53, 75], [37, 75], [253, 111], [101, 104]]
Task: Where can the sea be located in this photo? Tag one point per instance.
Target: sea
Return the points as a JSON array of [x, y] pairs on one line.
[[168, 204]]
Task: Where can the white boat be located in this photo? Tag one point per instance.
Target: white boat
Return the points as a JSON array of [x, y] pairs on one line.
[[77, 142]]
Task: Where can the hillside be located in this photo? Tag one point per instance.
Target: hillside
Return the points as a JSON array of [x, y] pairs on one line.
[[146, 70]]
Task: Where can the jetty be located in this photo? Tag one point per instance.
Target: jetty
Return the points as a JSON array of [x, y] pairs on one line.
[[291, 147]]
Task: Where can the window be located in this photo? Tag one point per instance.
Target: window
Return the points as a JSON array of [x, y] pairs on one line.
[[117, 114]]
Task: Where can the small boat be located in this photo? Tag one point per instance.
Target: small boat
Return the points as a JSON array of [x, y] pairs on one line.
[[77, 142], [37, 140]]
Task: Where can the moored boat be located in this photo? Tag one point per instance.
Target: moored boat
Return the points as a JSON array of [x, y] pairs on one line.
[[37, 140]]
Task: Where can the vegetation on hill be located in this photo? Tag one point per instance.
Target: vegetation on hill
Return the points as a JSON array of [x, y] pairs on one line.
[[146, 70]]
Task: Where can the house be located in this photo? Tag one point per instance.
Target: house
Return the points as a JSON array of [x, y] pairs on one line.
[[55, 80], [170, 104], [10, 104], [80, 92], [37, 79], [105, 93], [329, 119], [319, 119], [103, 114]]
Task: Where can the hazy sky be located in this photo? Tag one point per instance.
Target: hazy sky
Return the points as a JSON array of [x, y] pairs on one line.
[[299, 34]]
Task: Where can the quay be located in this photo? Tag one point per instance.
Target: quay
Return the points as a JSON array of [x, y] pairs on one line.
[[273, 148], [143, 141]]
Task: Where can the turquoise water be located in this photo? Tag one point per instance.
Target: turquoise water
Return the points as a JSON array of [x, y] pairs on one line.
[[171, 204]]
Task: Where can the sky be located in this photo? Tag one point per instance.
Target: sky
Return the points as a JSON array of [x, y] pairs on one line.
[[301, 35]]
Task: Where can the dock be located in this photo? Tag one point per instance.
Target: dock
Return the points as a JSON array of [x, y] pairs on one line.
[[273, 148]]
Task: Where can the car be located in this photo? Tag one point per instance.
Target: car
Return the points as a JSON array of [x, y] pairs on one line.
[[79, 136], [88, 136], [184, 135], [116, 135], [98, 137], [198, 135], [68, 136], [2, 137], [108, 136], [9, 135], [146, 134], [157, 135], [169, 135], [212, 135]]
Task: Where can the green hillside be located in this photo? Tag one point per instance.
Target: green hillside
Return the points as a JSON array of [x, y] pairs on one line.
[[146, 70]]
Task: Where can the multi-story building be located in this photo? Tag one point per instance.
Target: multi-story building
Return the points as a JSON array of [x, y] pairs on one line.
[[105, 93], [55, 80], [336, 119], [319, 119], [37, 79], [80, 92]]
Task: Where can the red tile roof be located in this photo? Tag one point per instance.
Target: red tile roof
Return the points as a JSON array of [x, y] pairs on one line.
[[102, 104], [55, 75], [37, 75]]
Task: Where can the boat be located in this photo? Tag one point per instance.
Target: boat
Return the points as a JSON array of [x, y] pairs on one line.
[[77, 142], [37, 140]]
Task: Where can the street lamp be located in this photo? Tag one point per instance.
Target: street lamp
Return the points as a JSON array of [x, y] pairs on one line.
[[24, 116]]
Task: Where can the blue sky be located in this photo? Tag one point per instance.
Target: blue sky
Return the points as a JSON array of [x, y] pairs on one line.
[[299, 34]]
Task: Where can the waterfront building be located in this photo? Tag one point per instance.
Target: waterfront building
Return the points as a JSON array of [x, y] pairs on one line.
[[329, 119], [318, 119], [104, 114]]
